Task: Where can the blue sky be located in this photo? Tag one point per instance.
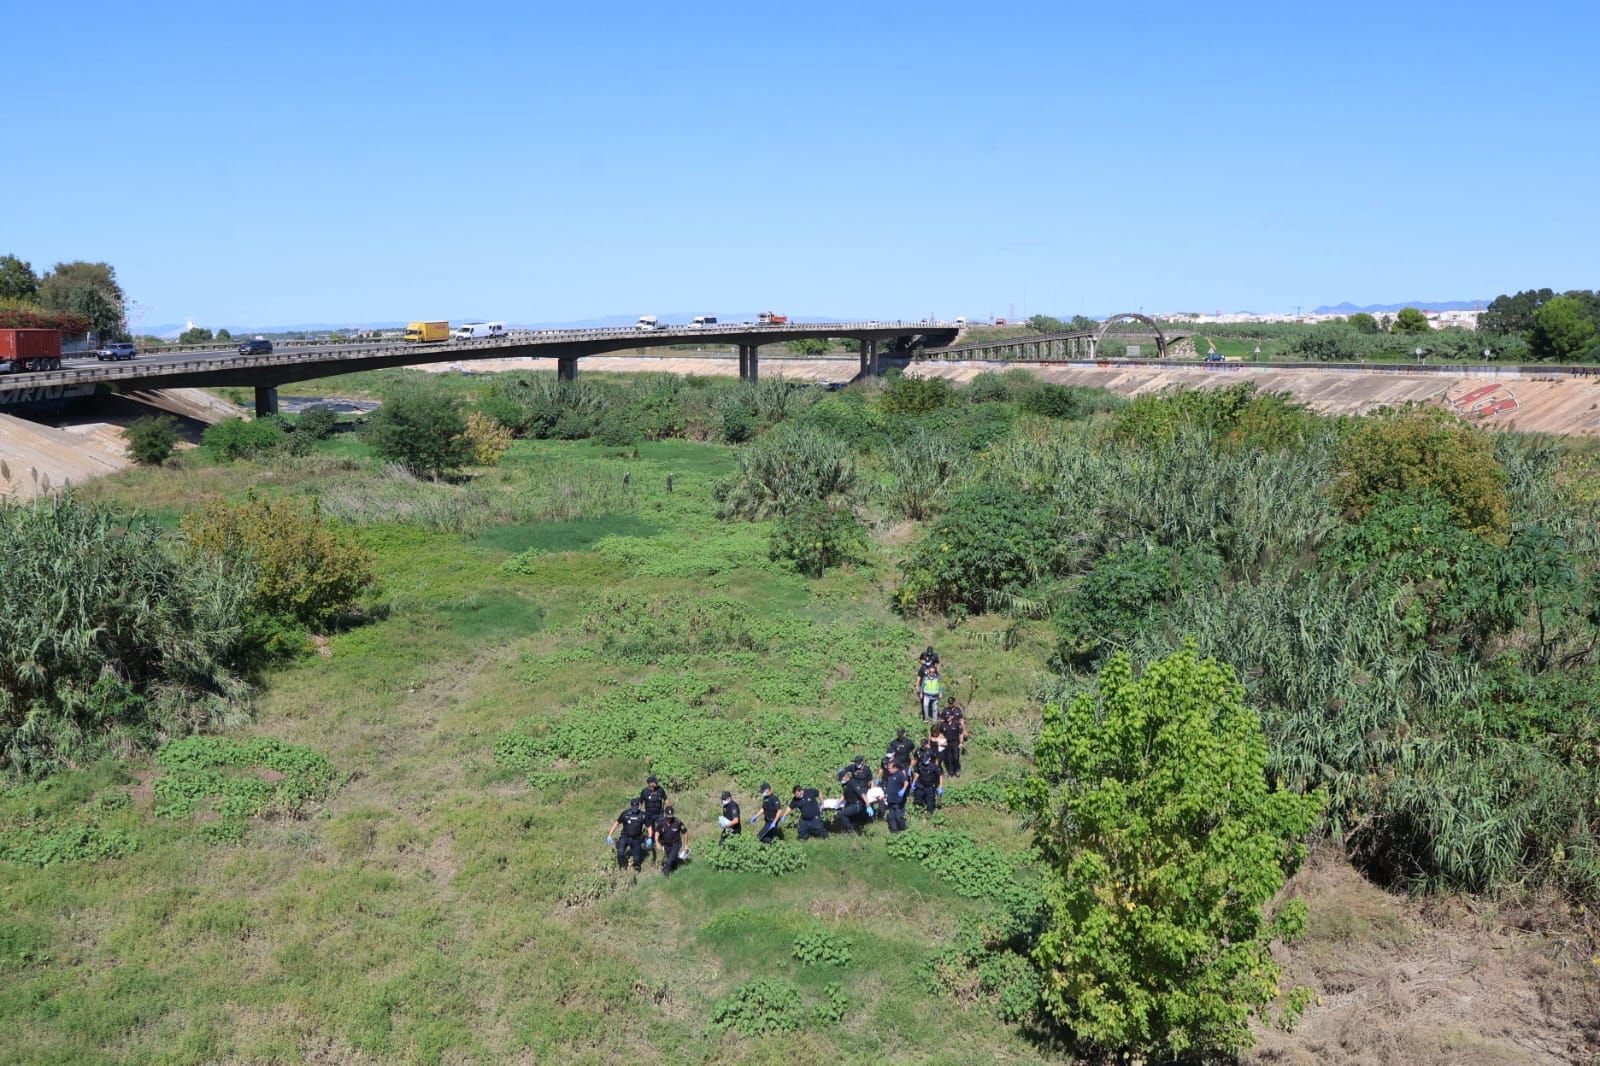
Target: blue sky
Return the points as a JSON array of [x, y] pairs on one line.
[[296, 162]]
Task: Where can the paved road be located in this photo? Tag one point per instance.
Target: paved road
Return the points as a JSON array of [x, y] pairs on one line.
[[298, 362]]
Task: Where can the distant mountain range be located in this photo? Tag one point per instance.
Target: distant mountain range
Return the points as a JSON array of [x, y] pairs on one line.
[[1421, 305]]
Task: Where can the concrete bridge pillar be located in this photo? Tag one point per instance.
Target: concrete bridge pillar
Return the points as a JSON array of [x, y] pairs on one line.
[[567, 368], [870, 361], [749, 363], [266, 401]]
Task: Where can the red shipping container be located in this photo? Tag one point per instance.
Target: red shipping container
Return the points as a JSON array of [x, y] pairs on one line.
[[29, 344]]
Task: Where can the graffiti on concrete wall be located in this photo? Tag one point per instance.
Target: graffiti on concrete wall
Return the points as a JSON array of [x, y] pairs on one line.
[[1476, 402]]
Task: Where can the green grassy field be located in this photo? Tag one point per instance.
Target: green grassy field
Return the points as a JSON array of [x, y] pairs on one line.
[[444, 903]]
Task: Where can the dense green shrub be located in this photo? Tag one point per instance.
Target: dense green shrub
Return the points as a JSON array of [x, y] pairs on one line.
[[317, 421], [845, 416], [299, 568], [760, 1006], [1238, 417], [1067, 401], [235, 438], [423, 431], [107, 638], [1163, 843], [542, 406], [1424, 449], [1125, 592], [786, 467], [817, 536], [617, 429], [51, 844], [921, 468], [151, 439], [743, 853], [911, 396], [991, 540], [822, 947]]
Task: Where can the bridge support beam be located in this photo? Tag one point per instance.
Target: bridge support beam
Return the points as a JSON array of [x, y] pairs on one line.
[[870, 363], [749, 363], [567, 368], [266, 401]]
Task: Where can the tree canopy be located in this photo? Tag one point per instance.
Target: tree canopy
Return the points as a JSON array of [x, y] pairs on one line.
[[86, 289], [1164, 842], [17, 279], [1562, 329], [1411, 321]]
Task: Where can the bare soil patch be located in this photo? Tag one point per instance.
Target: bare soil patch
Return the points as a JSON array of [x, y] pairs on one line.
[[1447, 980]]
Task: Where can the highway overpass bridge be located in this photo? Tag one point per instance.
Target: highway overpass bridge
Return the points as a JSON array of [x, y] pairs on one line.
[[210, 368], [1076, 344]]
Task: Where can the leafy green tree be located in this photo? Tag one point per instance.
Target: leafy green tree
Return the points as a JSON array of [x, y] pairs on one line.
[[1047, 324], [1163, 843], [224, 335], [1561, 329], [1513, 314], [1082, 323], [17, 279], [1362, 322], [151, 440], [424, 432], [87, 289], [196, 335], [1410, 321], [810, 346]]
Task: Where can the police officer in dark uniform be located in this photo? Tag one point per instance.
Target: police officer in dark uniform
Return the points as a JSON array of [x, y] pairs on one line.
[[896, 790], [900, 749], [852, 814], [861, 774], [808, 805], [770, 815], [731, 825], [929, 777], [670, 836], [654, 800], [953, 724], [629, 834]]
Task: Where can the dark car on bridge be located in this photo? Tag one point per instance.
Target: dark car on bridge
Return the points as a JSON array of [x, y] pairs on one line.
[[258, 346]]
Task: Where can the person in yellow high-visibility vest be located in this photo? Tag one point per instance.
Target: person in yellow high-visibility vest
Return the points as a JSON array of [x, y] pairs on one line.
[[931, 689]]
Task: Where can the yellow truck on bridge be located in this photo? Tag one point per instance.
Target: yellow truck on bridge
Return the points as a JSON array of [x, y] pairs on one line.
[[427, 332]]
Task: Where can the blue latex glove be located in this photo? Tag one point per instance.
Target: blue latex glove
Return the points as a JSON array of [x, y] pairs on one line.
[[649, 843], [939, 791], [612, 841]]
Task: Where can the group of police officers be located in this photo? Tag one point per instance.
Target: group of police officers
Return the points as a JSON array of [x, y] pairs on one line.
[[907, 771]]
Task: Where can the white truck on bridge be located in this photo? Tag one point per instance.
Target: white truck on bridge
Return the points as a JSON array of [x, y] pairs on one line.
[[474, 330]]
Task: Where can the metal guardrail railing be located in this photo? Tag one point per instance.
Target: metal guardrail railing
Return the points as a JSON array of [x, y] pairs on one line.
[[1525, 370], [363, 350]]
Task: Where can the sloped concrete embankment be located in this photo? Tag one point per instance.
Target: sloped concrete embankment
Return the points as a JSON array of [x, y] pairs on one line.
[[1532, 403], [37, 458]]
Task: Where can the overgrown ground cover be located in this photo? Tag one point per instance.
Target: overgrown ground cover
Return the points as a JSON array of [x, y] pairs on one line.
[[394, 850]]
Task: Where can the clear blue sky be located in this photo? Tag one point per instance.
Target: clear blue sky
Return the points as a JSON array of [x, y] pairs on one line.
[[281, 162]]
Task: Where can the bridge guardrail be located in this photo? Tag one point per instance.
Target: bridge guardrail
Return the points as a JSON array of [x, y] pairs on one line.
[[310, 353]]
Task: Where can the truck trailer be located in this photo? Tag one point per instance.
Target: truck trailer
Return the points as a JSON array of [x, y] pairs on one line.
[[22, 350], [427, 332]]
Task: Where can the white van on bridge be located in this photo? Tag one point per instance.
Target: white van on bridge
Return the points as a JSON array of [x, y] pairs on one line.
[[474, 330]]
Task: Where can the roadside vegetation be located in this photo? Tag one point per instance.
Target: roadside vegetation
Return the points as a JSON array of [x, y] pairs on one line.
[[311, 738]]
